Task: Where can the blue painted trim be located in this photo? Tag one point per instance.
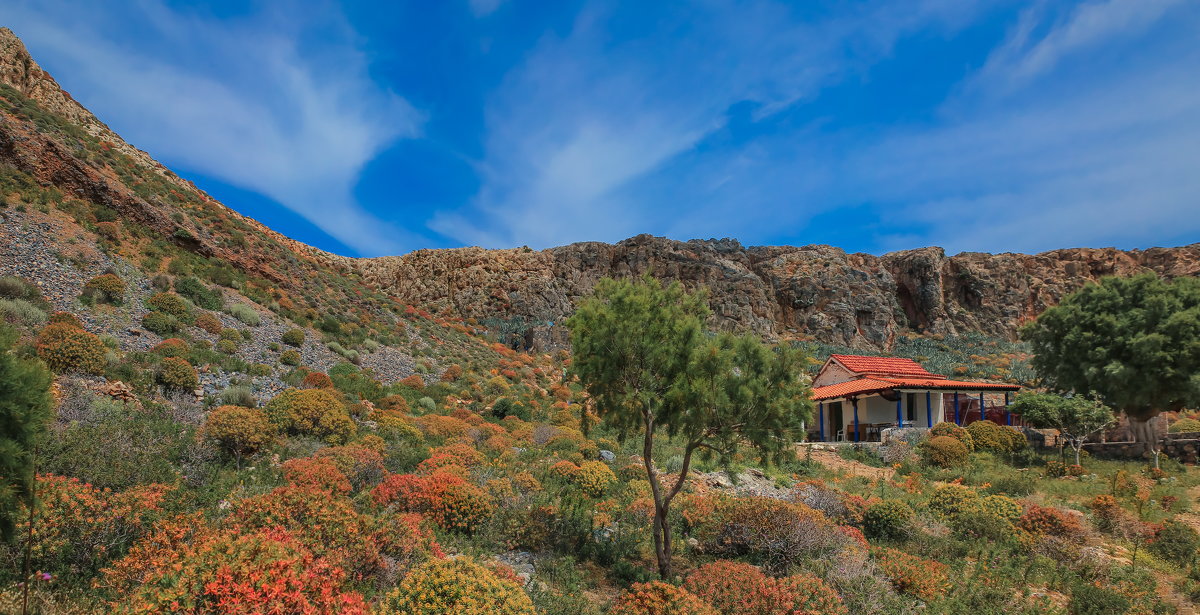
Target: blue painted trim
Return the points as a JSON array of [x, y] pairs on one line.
[[929, 408], [821, 418], [854, 402]]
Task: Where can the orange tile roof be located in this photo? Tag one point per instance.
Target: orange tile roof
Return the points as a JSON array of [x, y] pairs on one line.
[[882, 366], [867, 386]]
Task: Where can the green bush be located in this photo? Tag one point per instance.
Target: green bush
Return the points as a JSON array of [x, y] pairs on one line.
[[953, 431], [889, 520], [200, 294], [21, 312], [245, 314], [106, 288], [259, 369], [988, 436], [290, 357], [1186, 425], [12, 287], [293, 337], [943, 451], [117, 447], [161, 323], [168, 303], [1089, 599], [227, 346], [1176, 542]]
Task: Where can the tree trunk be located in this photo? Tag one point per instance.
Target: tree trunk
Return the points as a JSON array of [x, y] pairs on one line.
[[1077, 445], [1143, 431]]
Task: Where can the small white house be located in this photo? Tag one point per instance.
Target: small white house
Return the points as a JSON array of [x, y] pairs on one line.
[[859, 396]]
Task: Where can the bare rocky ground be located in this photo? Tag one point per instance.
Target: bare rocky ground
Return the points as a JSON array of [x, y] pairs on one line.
[[60, 258]]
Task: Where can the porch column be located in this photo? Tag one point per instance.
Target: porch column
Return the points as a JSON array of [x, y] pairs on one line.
[[929, 408], [899, 411], [956, 419], [854, 402], [1007, 412], [821, 419], [982, 416]]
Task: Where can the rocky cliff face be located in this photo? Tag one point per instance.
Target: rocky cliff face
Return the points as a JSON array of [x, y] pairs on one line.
[[815, 292]]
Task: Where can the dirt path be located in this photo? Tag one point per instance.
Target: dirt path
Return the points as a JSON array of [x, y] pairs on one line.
[[835, 462]]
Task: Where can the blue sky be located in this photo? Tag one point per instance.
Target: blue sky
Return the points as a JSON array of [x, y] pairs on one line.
[[873, 126]]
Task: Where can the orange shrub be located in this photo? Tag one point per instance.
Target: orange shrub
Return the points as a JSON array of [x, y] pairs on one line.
[[658, 598], [730, 587], [361, 464], [447, 499], [395, 403], [458, 454], [801, 594], [209, 323], [267, 571], [66, 347], [444, 427], [405, 539], [414, 381], [317, 380], [171, 347], [316, 473], [1049, 521], [452, 373], [176, 373], [912, 575]]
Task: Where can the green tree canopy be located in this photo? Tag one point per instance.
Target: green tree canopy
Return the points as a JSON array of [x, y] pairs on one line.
[[642, 354], [1076, 417], [24, 412], [1134, 342]]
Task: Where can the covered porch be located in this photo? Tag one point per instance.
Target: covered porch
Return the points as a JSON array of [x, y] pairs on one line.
[[859, 410]]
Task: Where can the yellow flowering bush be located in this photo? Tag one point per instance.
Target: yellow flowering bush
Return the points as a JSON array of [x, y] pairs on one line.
[[312, 412], [455, 587], [594, 478]]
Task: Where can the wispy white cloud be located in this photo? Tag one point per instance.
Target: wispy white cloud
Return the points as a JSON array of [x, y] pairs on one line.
[[585, 118], [242, 100], [1024, 56]]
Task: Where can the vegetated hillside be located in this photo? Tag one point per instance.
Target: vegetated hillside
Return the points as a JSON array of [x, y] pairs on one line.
[[81, 202], [819, 293]]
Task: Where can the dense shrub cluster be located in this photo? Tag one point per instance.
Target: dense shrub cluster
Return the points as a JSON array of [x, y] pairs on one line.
[[944, 451], [177, 373], [66, 347], [458, 586], [988, 436], [656, 598], [312, 412], [293, 337], [734, 588], [106, 288], [238, 431]]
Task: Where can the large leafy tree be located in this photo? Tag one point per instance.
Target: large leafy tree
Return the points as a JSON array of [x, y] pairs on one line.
[[642, 354], [24, 413], [1075, 418], [1134, 342]]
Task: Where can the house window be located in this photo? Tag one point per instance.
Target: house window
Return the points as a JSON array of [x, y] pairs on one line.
[[911, 404]]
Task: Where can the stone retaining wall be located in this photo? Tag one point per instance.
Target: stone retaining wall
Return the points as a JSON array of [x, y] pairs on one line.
[[1182, 447]]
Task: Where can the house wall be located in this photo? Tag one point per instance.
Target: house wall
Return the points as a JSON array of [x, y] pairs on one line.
[[832, 373], [875, 409]]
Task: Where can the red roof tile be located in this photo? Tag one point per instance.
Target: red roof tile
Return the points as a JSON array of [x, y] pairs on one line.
[[889, 366], [868, 386]]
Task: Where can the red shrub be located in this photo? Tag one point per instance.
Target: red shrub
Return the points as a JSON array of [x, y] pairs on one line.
[[658, 598], [316, 473], [909, 574], [317, 380], [1051, 522]]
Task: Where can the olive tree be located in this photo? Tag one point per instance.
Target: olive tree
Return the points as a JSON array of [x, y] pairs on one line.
[[641, 353], [1075, 418], [1134, 342]]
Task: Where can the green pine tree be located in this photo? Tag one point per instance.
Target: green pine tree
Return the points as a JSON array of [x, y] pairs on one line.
[[24, 412]]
